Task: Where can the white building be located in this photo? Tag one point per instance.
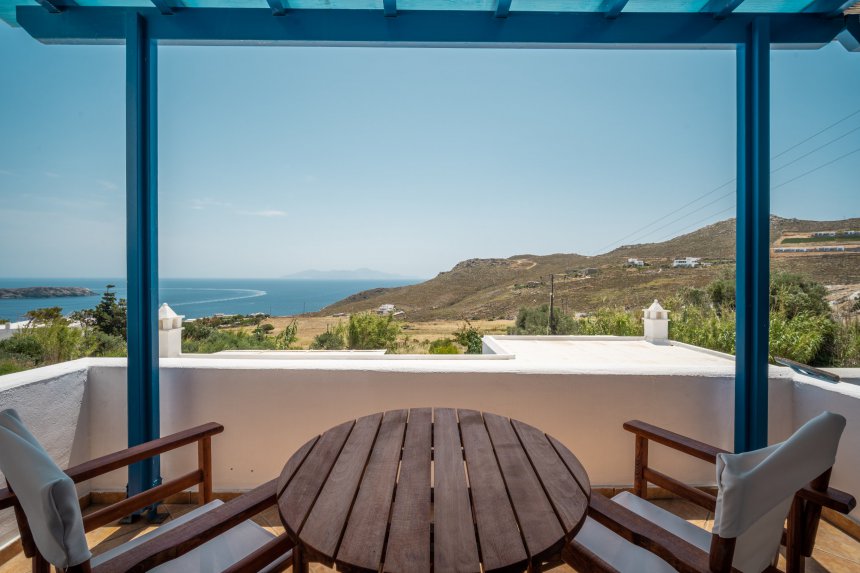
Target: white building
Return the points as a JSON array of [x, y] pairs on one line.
[[687, 262], [386, 309], [636, 262]]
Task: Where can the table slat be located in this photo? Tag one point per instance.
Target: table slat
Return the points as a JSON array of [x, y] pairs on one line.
[[573, 465], [299, 495], [293, 464], [365, 531], [566, 495], [455, 548], [323, 528], [498, 534], [408, 546], [539, 525]]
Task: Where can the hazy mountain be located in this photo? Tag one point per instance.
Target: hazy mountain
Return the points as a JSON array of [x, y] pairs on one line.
[[345, 275], [497, 288]]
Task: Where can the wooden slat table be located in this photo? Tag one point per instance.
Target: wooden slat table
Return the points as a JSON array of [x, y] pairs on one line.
[[432, 490]]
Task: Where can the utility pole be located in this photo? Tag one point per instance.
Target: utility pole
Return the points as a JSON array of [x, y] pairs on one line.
[[551, 327]]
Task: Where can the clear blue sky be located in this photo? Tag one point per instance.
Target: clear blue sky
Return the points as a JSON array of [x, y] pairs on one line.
[[275, 160]]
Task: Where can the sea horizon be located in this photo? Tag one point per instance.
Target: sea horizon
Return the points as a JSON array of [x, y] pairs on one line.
[[198, 297]]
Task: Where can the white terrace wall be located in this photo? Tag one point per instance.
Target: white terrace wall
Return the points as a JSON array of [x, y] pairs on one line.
[[52, 402], [271, 407]]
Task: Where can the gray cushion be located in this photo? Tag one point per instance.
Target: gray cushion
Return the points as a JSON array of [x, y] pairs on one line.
[[45, 492], [214, 555]]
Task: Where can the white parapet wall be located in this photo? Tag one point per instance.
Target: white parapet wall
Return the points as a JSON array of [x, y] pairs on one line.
[[270, 407]]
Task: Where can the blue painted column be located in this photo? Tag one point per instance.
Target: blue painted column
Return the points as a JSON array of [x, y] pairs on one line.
[[142, 247], [753, 238]]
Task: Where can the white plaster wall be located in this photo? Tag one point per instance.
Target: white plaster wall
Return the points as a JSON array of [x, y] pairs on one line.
[[811, 397], [269, 410], [52, 402]]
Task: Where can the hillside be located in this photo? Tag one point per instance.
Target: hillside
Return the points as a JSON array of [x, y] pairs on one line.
[[497, 288]]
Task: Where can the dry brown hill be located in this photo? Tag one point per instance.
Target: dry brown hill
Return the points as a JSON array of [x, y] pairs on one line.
[[497, 288]]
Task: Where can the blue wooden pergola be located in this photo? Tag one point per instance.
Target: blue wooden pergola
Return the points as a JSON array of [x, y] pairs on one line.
[[751, 27]]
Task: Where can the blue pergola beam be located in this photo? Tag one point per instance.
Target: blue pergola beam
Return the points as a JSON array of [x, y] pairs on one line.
[[142, 246], [829, 8], [721, 8], [503, 8], [52, 6], [279, 7], [336, 27], [753, 238], [612, 8], [389, 7], [850, 37], [164, 6]]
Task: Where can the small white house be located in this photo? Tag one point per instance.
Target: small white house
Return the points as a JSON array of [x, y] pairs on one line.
[[824, 234], [635, 263], [687, 262], [386, 309]]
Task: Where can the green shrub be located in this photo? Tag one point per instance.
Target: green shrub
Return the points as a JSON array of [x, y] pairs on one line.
[[266, 328], [469, 337], [443, 346], [287, 339], [331, 339], [369, 331]]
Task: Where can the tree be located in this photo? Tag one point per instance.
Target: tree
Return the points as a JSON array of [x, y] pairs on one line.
[[110, 316], [369, 331]]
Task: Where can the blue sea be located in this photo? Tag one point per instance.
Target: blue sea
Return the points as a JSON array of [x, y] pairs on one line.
[[203, 297]]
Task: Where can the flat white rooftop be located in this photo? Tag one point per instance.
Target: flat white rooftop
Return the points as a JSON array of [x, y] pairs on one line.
[[602, 351]]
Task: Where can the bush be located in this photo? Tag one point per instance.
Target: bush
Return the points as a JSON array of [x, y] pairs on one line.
[[469, 337], [535, 321], [443, 346], [331, 339], [369, 331], [286, 339], [266, 328]]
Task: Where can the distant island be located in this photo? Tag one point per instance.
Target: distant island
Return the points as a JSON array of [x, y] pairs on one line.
[[345, 275], [44, 292]]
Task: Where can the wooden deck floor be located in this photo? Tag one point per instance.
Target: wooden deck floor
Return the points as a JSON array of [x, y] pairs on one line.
[[835, 551]]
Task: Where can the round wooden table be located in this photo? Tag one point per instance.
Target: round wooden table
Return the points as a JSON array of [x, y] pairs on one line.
[[391, 492]]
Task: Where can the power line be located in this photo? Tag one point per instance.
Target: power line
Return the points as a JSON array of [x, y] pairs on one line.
[[714, 190], [808, 153], [816, 134], [804, 174], [696, 224]]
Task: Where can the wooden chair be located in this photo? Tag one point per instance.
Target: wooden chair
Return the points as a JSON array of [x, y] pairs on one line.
[[214, 537], [756, 492]]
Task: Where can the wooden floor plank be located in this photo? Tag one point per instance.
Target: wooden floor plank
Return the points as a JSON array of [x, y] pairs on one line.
[[455, 547], [498, 535], [566, 495], [325, 524], [408, 546], [302, 491], [538, 523], [364, 536]]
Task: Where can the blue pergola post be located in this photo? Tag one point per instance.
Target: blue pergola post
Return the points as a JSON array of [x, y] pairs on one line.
[[753, 238], [142, 247]]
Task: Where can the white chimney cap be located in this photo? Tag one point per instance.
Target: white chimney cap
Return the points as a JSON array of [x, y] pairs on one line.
[[165, 311], [655, 306]]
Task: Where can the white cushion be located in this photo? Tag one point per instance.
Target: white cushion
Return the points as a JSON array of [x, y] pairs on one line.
[[669, 521], [618, 552], [755, 489], [213, 556], [46, 494]]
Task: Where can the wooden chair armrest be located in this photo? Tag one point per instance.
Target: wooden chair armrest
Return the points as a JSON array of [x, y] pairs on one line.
[[194, 533], [116, 460], [835, 499], [280, 550], [678, 553], [675, 441]]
